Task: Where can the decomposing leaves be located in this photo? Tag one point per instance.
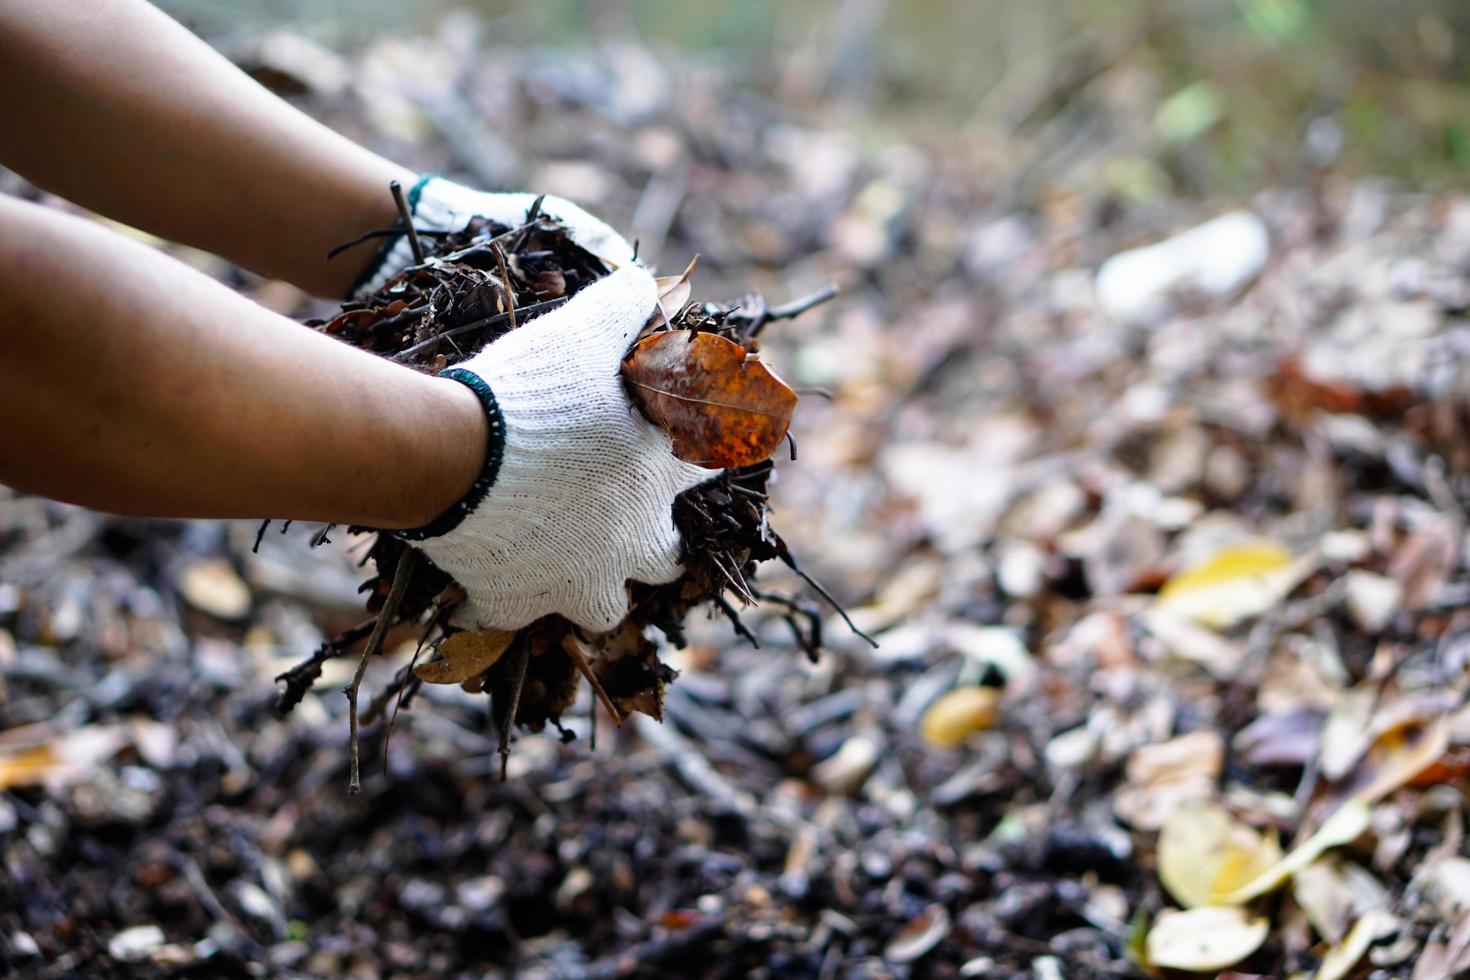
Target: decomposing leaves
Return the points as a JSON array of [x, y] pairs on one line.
[[958, 714], [1205, 938], [1234, 584], [465, 655], [61, 760], [722, 407], [1343, 827], [1163, 776], [1342, 957], [211, 585], [1398, 754], [1205, 854]]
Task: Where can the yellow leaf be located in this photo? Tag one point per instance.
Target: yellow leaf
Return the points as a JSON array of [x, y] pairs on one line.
[[465, 655], [27, 767], [1204, 939], [1234, 584], [1205, 854], [1341, 959], [958, 714], [62, 760], [1343, 827]]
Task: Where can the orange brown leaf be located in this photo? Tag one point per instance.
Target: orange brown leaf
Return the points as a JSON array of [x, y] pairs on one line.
[[721, 407]]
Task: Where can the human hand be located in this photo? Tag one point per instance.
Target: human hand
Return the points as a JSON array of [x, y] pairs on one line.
[[442, 205], [577, 493]]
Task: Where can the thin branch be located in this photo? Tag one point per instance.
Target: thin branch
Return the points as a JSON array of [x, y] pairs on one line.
[[505, 290], [785, 555], [401, 575], [300, 678], [406, 216], [523, 661], [573, 647], [792, 309], [733, 615]]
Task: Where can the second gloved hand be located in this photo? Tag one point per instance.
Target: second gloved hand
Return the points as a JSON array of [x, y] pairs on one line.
[[579, 497]]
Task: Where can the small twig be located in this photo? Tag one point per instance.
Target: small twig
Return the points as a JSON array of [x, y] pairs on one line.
[[401, 683], [406, 216], [194, 875], [401, 575], [812, 643], [794, 308], [368, 236], [505, 290], [785, 555], [732, 614], [745, 596], [523, 661], [800, 306], [300, 678], [735, 567], [573, 647]]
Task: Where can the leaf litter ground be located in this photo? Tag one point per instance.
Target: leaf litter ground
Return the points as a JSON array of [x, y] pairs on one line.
[[1210, 570]]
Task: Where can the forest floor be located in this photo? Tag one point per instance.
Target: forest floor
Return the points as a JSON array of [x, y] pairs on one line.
[[1206, 552]]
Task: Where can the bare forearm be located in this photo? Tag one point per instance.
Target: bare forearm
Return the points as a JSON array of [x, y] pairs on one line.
[[133, 384], [115, 106]]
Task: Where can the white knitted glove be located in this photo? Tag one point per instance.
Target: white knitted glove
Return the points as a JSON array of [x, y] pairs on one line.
[[443, 205], [582, 497]]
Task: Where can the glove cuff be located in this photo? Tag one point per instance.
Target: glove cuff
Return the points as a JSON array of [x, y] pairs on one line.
[[494, 453]]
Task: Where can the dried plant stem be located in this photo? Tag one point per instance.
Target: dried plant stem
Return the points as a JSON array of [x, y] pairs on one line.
[[406, 216], [505, 290], [401, 575], [573, 647], [523, 661]]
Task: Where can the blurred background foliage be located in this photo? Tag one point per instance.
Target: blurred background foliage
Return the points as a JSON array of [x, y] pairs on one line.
[[1167, 96]]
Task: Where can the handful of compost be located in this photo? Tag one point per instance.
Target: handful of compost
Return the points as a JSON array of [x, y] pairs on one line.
[[630, 436]]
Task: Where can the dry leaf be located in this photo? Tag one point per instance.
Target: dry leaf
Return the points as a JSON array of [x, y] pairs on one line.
[[1205, 853], [1343, 827], [1398, 754], [465, 655], [1345, 735], [1235, 584], [1326, 898], [1341, 959], [958, 714], [61, 760], [1445, 958], [1423, 563], [1204, 939], [673, 291], [920, 935], [1161, 777], [721, 407], [211, 585]]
